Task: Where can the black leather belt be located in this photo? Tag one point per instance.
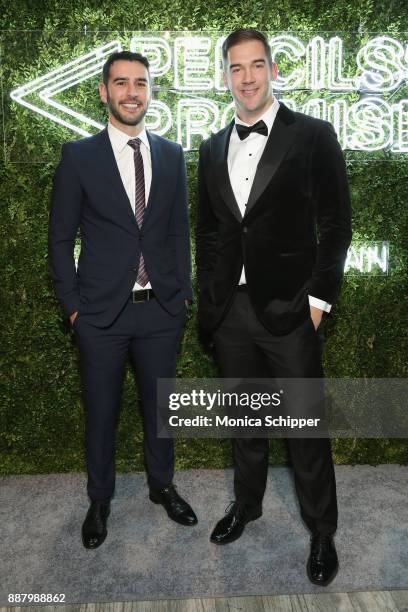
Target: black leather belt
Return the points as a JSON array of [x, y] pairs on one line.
[[142, 295]]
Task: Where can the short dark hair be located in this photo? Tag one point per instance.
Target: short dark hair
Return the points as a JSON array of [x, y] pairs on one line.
[[243, 35], [129, 56]]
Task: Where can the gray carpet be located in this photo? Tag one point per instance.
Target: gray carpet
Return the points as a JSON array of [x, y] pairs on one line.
[[147, 556]]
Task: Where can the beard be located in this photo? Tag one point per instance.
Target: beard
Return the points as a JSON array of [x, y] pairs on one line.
[[115, 111]]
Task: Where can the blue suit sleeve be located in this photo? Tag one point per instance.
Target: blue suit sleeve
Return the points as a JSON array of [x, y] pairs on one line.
[[180, 231], [64, 221]]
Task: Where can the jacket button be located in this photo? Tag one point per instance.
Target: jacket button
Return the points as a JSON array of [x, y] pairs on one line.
[[245, 229], [133, 269]]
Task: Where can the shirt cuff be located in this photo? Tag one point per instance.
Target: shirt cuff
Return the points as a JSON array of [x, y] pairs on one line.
[[319, 304]]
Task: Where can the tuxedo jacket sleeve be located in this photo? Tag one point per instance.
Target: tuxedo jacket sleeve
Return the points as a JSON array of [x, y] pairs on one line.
[[330, 194], [207, 224]]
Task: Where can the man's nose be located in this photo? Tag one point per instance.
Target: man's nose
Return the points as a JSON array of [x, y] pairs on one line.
[[133, 90], [248, 76]]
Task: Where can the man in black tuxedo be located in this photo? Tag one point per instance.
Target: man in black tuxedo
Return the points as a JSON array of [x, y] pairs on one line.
[[268, 182], [126, 190]]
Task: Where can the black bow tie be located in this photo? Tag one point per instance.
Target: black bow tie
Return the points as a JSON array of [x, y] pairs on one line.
[[244, 130]]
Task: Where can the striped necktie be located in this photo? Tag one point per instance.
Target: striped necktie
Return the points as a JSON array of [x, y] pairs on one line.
[[140, 202]]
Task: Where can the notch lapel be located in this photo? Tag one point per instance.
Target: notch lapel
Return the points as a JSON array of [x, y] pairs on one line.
[[219, 150], [279, 142], [110, 171]]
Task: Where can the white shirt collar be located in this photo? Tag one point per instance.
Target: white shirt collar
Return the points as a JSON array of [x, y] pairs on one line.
[[120, 139], [268, 117]]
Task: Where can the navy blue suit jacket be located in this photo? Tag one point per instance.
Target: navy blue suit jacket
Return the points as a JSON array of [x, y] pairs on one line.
[[88, 194]]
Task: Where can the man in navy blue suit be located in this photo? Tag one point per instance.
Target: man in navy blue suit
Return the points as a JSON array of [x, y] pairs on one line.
[[125, 189]]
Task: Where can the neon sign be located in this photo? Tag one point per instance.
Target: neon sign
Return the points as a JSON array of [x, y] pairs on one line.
[[364, 107], [368, 258]]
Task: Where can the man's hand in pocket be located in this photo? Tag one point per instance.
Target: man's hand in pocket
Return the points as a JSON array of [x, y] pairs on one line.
[[316, 316], [73, 317]]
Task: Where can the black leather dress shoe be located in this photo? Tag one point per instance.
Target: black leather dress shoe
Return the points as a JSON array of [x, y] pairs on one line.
[[94, 528], [175, 506], [230, 527], [322, 565]]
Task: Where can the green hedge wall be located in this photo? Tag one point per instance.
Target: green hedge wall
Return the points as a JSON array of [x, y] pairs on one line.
[[41, 412]]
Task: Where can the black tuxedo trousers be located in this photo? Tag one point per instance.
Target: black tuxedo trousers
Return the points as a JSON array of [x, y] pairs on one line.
[[246, 349], [150, 336]]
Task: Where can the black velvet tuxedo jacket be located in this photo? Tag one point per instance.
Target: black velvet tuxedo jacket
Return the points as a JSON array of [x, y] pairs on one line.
[[294, 236], [89, 194]]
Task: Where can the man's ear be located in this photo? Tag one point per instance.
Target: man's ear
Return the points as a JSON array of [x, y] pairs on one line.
[[151, 85], [103, 94], [274, 71], [225, 79]]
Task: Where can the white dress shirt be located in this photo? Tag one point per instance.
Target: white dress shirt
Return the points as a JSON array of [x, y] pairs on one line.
[[124, 155], [243, 159]]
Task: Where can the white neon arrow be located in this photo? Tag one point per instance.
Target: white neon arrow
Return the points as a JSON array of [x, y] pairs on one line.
[[62, 78]]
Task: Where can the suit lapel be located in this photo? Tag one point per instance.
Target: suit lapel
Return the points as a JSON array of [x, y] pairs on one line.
[[110, 171], [279, 141], [219, 154]]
